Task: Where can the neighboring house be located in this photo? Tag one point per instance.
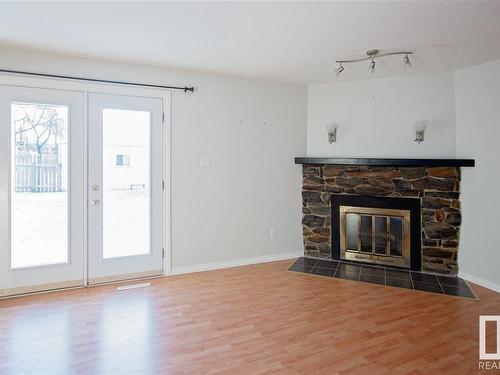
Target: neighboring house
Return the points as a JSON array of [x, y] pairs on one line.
[[126, 167]]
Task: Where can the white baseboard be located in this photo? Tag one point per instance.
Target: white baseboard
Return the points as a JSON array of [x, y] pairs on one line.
[[479, 281], [235, 263]]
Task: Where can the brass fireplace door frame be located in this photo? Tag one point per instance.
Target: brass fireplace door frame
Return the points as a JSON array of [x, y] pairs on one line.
[[386, 259]]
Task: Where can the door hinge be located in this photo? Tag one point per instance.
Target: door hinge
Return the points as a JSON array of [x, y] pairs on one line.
[[163, 184], [163, 117], [163, 253]]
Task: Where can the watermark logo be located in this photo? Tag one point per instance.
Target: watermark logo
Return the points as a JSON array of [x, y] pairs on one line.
[[488, 360]]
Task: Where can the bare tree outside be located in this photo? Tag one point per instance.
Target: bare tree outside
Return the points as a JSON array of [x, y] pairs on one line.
[[36, 126], [39, 128]]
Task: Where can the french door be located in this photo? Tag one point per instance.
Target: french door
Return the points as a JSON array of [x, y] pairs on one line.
[[125, 187], [81, 188], [42, 189]]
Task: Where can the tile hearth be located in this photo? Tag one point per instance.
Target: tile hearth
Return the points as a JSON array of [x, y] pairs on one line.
[[440, 284]]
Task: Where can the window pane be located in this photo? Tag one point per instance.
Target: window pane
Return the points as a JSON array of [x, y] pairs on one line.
[[126, 191], [119, 160], [39, 184]]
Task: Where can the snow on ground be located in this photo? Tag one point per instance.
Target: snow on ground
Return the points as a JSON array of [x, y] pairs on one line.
[[126, 223], [40, 226], [39, 229]]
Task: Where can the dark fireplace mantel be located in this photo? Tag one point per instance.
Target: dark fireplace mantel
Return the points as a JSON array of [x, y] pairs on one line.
[[388, 162]]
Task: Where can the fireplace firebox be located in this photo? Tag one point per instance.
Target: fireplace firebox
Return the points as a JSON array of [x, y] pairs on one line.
[[379, 230], [375, 235]]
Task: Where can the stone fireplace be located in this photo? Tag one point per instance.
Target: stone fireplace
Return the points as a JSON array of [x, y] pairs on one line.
[[430, 187]]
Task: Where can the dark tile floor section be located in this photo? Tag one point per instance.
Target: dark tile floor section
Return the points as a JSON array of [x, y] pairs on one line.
[[451, 286]]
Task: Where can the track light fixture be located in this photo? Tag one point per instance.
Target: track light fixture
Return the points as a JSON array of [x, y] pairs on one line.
[[372, 55]]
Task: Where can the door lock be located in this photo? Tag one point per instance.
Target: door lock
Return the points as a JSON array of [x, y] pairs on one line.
[[95, 202]]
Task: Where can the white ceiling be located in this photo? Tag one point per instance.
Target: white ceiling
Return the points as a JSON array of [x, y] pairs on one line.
[[281, 41]]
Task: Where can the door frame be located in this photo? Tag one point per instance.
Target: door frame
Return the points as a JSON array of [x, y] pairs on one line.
[[114, 89]]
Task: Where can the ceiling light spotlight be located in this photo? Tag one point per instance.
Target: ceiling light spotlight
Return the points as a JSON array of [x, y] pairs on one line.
[[340, 69], [372, 66], [407, 62]]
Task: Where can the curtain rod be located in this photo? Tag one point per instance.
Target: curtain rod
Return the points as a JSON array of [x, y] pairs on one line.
[[185, 89]]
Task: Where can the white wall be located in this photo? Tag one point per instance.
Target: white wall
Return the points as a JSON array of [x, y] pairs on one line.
[[376, 117], [477, 92], [250, 130]]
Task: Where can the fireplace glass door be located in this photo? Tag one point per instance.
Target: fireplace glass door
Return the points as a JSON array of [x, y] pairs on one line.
[[375, 235]]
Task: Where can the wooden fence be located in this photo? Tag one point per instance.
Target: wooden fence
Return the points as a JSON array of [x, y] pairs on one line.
[[32, 176]]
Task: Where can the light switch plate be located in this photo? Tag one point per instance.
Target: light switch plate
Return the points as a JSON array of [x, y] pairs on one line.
[[204, 162]]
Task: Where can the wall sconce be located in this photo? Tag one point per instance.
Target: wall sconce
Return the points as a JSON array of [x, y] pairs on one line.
[[332, 133], [419, 129]]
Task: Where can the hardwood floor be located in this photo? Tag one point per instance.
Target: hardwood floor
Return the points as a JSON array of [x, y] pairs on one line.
[[247, 320]]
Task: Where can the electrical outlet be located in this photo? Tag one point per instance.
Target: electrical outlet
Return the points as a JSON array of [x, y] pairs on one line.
[[273, 233]]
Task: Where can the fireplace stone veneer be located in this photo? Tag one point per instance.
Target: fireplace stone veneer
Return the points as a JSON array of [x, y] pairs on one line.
[[438, 189]]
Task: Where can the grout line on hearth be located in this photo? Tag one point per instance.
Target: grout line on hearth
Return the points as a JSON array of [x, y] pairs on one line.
[[439, 282]]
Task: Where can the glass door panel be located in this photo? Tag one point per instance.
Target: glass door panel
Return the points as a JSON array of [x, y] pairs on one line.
[[42, 195], [396, 236], [126, 174], [352, 231], [380, 234], [39, 192], [365, 234], [126, 182]]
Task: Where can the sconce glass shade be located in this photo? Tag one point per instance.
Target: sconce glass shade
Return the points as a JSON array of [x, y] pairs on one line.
[[420, 125]]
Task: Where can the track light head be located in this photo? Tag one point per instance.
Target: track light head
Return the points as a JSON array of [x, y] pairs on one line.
[[407, 62], [372, 66], [340, 69]]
